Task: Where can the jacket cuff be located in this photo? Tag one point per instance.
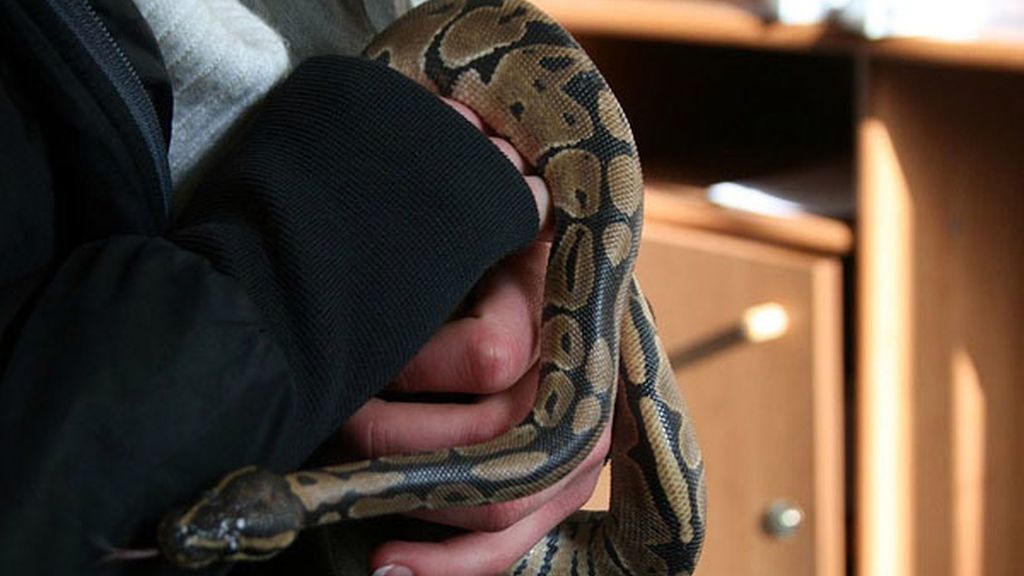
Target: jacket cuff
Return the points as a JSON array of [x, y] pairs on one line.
[[356, 211]]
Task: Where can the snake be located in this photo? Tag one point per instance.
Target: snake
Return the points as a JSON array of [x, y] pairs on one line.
[[601, 355]]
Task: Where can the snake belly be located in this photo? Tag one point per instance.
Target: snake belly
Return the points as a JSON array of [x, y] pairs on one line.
[[532, 83]]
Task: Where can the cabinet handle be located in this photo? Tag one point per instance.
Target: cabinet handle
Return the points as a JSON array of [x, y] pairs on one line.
[[759, 323], [782, 519], [765, 322]]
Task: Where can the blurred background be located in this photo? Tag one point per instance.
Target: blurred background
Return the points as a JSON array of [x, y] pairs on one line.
[[835, 251]]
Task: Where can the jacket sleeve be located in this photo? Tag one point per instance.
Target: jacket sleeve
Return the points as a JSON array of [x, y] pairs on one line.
[[347, 223]]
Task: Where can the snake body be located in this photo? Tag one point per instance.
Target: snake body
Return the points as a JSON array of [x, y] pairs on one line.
[[535, 86]]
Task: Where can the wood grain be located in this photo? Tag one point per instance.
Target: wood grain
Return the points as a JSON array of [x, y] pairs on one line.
[[942, 147], [682, 205], [689, 21], [768, 415], [717, 23]]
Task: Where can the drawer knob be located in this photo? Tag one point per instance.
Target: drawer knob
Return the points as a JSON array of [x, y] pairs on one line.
[[782, 519], [765, 322], [759, 323]]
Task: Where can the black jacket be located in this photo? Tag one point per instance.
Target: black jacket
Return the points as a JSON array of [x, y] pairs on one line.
[[141, 359]]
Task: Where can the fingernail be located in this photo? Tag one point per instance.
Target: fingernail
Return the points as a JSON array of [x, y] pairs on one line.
[[392, 570]]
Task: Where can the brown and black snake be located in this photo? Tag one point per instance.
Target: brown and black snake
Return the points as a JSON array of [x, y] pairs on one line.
[[533, 84]]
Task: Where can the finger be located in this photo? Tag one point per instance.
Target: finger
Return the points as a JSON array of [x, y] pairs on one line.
[[537, 186], [542, 197], [497, 517], [479, 553], [490, 350], [383, 428], [539, 189], [502, 144], [510, 152], [475, 355], [467, 113]]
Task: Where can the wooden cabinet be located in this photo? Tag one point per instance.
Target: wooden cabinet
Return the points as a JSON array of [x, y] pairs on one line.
[[768, 415], [934, 133], [941, 292]]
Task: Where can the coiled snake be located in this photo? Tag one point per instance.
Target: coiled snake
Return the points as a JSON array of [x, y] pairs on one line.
[[534, 85]]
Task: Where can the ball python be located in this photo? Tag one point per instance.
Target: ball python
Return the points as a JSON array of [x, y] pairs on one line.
[[533, 84]]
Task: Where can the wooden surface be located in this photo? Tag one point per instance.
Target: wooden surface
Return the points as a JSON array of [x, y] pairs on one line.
[[688, 21], [980, 54], [709, 22], [769, 415], [941, 324], [684, 206]]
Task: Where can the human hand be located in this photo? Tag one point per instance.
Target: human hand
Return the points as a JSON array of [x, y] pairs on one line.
[[491, 355]]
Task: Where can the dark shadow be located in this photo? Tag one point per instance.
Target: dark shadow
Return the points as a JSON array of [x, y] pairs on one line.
[[711, 345]]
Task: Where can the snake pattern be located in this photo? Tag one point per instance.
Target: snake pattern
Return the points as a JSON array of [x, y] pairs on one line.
[[534, 85]]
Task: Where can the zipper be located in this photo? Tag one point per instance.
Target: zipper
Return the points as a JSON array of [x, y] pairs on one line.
[[81, 18]]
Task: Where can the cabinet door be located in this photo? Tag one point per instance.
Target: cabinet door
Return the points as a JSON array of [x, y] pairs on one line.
[[768, 415], [940, 389]]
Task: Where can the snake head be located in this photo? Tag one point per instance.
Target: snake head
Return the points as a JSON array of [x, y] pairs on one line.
[[251, 514]]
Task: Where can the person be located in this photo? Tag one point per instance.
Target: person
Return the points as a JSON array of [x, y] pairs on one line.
[[328, 218]]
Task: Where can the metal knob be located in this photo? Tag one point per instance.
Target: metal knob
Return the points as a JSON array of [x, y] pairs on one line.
[[782, 519], [764, 322]]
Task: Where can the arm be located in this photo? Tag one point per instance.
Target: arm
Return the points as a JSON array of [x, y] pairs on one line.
[[299, 281]]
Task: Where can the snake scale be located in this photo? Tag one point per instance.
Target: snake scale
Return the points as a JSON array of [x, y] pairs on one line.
[[532, 83]]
